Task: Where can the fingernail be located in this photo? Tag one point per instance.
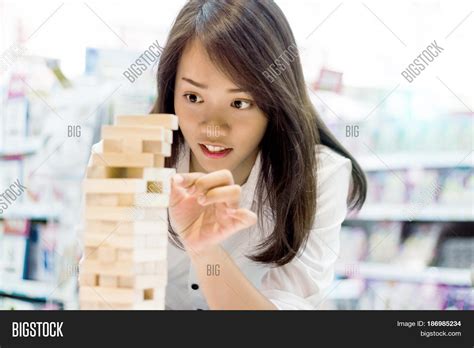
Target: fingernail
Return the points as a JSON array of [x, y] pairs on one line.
[[178, 179], [201, 199]]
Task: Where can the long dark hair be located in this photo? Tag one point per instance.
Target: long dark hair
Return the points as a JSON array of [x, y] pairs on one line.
[[244, 38]]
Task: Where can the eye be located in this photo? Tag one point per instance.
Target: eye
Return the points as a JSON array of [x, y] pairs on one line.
[[193, 98], [241, 104]]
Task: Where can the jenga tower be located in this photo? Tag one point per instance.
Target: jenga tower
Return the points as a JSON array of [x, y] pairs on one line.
[[126, 224]]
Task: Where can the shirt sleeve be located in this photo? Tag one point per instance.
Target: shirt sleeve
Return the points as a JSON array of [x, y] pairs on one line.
[[304, 282]]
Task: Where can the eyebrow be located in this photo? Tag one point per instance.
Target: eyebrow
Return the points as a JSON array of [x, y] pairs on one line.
[[203, 86]]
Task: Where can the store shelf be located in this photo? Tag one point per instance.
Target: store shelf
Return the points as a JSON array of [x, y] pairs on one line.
[[437, 275], [29, 290], [407, 212], [32, 211], [346, 289], [404, 160], [21, 147]]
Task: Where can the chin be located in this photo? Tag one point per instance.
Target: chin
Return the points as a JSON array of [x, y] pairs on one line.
[[212, 165]]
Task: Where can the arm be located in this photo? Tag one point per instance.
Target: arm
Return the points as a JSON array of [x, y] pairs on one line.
[[204, 211], [226, 287]]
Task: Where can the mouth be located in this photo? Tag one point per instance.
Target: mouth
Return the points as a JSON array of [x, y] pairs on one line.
[[215, 151]]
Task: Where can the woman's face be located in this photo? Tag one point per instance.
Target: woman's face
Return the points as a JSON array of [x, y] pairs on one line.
[[221, 123]]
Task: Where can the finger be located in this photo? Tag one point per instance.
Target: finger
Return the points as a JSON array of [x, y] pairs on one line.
[[223, 194], [186, 179], [215, 179], [244, 218], [179, 186]]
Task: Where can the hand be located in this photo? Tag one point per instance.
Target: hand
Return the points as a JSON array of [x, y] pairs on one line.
[[204, 209]]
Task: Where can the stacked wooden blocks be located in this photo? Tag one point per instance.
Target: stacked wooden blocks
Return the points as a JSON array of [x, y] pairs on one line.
[[126, 224]]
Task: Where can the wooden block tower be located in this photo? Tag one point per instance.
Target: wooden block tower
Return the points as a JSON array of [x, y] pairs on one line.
[[126, 224]]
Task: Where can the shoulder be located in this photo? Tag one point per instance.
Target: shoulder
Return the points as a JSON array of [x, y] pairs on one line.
[[333, 184], [330, 163]]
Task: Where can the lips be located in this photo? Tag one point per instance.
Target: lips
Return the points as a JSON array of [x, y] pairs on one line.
[[214, 150]]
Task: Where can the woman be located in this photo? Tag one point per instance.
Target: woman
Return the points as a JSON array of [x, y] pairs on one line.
[[262, 186]]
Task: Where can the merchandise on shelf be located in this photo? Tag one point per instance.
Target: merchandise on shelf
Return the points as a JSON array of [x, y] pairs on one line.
[[42, 252], [418, 249], [384, 241], [14, 249], [448, 186]]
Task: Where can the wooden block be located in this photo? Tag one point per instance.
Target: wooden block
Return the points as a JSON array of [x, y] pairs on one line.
[[103, 172], [157, 147], [144, 254], [155, 242], [158, 174], [169, 137], [88, 305], [110, 295], [101, 227], [148, 267], [168, 121], [108, 281], [143, 281], [90, 253], [112, 159], [156, 200], [122, 145], [106, 253], [150, 200], [132, 213], [132, 145], [114, 186], [158, 187], [113, 240], [106, 199], [151, 174], [158, 161], [125, 228], [100, 306], [127, 200], [138, 305], [88, 279], [159, 179], [148, 305], [124, 268], [111, 145], [136, 132], [154, 293], [94, 212], [134, 173]]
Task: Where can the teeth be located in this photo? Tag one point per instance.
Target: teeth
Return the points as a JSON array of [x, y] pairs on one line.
[[214, 148]]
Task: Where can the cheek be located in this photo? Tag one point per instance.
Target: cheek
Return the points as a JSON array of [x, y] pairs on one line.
[[251, 133], [187, 119]]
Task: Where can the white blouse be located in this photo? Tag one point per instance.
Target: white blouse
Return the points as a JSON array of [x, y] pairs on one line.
[[301, 283]]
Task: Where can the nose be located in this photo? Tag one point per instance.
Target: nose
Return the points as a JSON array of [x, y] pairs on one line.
[[215, 132], [214, 123]]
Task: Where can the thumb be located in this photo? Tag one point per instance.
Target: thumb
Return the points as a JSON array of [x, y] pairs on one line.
[[242, 218]]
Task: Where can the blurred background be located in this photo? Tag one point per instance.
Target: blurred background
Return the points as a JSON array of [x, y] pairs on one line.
[[62, 76]]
